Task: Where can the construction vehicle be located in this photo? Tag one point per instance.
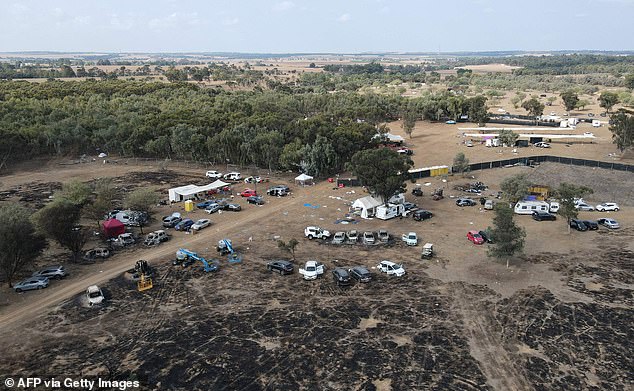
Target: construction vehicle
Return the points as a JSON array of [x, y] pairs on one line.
[[437, 195], [183, 255], [428, 251], [225, 247], [144, 272]]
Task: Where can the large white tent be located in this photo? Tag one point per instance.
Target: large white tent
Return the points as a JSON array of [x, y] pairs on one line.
[[304, 180], [367, 205], [188, 192]]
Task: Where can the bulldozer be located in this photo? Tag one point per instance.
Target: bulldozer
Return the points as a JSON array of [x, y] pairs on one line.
[[143, 270]]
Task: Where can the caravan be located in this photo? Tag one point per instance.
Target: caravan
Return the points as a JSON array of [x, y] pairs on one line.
[[528, 207], [389, 211]]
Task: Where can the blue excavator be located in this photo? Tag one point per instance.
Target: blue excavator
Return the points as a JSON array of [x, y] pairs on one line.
[[225, 247], [183, 255]]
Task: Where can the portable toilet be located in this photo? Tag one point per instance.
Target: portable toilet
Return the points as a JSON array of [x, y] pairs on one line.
[[189, 206]]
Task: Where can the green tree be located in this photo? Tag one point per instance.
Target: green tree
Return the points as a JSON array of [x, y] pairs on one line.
[[508, 137], [76, 192], [409, 121], [551, 100], [608, 99], [622, 129], [320, 158], [460, 163], [59, 221], [566, 193], [382, 170], [570, 99], [534, 107], [142, 199], [103, 202], [20, 244], [288, 247], [629, 81], [515, 101], [478, 111], [515, 187], [582, 103], [508, 237]]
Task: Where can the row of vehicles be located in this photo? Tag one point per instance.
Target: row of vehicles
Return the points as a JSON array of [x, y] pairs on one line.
[[353, 237], [40, 279]]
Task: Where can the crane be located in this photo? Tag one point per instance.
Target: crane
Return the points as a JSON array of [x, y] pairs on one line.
[[226, 247], [183, 254]]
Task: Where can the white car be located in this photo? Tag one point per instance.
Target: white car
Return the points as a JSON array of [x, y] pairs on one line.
[[368, 237], [391, 268], [316, 232], [94, 295], [200, 224], [312, 270], [584, 206], [232, 176], [411, 239], [253, 179], [213, 174], [607, 206], [339, 238], [542, 144]]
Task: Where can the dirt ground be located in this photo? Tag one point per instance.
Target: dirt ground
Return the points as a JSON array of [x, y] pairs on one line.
[[557, 319]]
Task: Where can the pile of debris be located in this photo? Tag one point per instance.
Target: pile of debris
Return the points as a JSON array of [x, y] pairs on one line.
[[476, 187]]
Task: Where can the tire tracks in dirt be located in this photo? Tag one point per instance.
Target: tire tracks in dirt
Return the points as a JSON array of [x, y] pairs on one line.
[[16, 316]]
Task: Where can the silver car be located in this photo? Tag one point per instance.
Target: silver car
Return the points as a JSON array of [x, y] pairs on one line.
[[31, 283], [339, 238], [56, 272]]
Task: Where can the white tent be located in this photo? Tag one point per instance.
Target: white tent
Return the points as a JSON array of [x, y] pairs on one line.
[[304, 179], [188, 192], [367, 205]]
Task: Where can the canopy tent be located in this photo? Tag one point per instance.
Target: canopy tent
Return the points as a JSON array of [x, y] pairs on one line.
[[188, 192], [367, 205], [304, 179], [113, 228]]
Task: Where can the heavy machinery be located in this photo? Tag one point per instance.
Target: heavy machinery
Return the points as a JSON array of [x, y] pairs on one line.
[[183, 255], [144, 272], [225, 247], [437, 195], [428, 251]]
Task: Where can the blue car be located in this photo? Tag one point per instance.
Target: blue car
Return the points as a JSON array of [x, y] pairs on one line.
[[31, 283], [184, 225], [205, 204]]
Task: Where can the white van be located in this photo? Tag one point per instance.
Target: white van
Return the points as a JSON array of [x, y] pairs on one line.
[[232, 176], [489, 204], [554, 207], [528, 207]]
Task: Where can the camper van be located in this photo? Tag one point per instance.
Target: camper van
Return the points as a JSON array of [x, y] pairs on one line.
[[528, 207], [389, 211]]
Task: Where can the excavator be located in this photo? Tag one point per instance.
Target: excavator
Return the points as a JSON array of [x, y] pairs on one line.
[[225, 247], [184, 254], [143, 270]]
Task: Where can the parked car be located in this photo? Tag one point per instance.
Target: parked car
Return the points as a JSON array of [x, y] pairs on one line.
[[368, 237], [486, 236], [205, 204], [543, 216], [213, 174], [213, 208], [542, 144], [56, 272], [578, 225], [31, 283], [125, 239], [489, 204], [99, 252], [232, 176], [281, 266], [312, 232], [341, 276], [411, 239], [200, 224], [391, 268], [252, 179], [156, 237], [585, 207], [278, 191], [248, 193], [233, 207], [360, 273], [171, 221], [592, 225], [409, 205], [383, 236], [475, 237], [465, 202], [353, 236], [339, 237], [609, 223], [417, 191], [608, 206], [312, 270], [422, 214], [94, 295], [256, 200], [184, 225]]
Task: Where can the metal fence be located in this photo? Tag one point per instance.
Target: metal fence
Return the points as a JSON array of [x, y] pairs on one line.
[[530, 160]]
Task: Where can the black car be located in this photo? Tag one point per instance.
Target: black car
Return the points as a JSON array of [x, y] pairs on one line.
[[232, 207], [486, 236], [281, 266], [422, 214], [578, 225], [256, 200], [360, 273], [465, 202], [341, 276], [417, 191], [543, 216], [592, 225], [409, 205]]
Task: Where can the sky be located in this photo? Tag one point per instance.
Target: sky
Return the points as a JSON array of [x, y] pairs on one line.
[[315, 26]]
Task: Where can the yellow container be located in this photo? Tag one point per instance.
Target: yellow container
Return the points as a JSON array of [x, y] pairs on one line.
[[189, 206]]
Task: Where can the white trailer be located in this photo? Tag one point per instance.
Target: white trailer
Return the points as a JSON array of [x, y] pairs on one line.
[[389, 211], [528, 207]]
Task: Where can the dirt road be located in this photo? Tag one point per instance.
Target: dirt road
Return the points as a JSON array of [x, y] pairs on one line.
[[15, 317]]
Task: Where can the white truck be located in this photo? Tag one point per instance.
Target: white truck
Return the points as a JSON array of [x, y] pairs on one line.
[[411, 239], [391, 268], [312, 270], [389, 211], [313, 232]]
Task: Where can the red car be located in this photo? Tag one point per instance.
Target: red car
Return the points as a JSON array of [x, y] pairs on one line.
[[248, 193], [475, 237]]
